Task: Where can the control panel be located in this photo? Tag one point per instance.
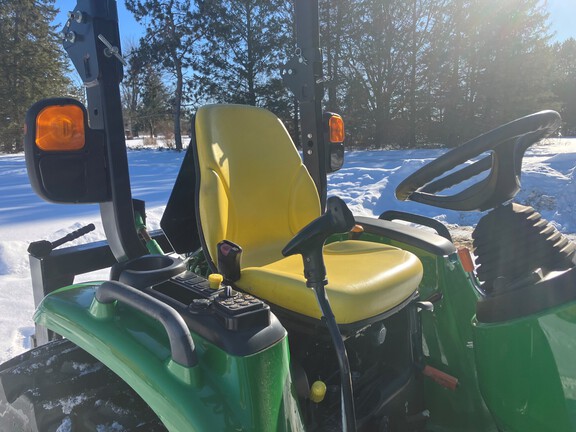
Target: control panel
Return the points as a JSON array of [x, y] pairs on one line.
[[234, 309]]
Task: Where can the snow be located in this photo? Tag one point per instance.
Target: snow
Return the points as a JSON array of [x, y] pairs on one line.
[[66, 405], [65, 426], [366, 182]]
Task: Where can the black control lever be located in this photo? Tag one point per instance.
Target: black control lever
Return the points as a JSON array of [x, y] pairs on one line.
[[42, 248], [309, 243]]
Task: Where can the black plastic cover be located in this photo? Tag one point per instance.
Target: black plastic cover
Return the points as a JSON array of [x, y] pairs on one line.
[[437, 226], [147, 270], [229, 260], [179, 221], [425, 240], [555, 289], [236, 322]]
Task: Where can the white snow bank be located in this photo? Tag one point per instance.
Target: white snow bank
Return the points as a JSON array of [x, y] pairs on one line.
[[366, 182]]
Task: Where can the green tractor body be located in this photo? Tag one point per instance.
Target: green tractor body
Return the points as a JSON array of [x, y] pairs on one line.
[[216, 393]]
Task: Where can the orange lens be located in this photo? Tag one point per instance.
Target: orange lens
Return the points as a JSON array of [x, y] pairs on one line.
[[60, 128], [336, 125], [466, 259]]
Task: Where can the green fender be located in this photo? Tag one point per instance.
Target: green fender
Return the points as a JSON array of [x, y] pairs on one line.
[[527, 371], [222, 392]]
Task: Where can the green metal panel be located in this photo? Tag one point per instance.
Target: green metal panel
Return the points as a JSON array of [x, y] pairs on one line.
[[448, 342], [527, 370], [448, 346], [223, 392]]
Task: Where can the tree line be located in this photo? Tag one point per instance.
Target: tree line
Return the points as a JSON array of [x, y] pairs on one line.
[[32, 64], [403, 73]]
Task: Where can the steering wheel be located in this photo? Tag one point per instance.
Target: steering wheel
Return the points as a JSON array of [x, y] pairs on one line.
[[507, 144]]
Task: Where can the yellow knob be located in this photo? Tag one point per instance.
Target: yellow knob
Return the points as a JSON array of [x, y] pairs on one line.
[[317, 391], [215, 280]]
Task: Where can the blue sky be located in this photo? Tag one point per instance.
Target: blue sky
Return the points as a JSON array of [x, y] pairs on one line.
[[129, 28], [562, 18]]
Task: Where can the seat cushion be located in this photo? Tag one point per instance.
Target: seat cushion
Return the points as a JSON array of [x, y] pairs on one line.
[[365, 279]]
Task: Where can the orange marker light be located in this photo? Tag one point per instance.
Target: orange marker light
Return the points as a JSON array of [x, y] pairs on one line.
[[441, 378], [60, 128], [336, 125], [466, 259], [357, 229]]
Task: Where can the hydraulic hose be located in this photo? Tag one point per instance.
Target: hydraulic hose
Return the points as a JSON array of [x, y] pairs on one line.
[[348, 414]]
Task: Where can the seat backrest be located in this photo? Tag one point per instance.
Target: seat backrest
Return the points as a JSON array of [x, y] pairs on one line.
[[252, 187]]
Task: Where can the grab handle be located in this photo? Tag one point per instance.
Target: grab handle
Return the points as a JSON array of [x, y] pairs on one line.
[[181, 343]]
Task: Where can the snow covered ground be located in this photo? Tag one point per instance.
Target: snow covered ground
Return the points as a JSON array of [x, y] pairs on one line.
[[366, 182]]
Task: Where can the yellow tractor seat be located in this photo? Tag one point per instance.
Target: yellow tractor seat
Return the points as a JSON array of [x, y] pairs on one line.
[[253, 190]]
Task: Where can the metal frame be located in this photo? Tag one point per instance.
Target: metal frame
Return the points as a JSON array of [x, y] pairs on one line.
[[92, 41], [304, 76]]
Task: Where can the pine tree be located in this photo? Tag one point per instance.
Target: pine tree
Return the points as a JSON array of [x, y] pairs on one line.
[[172, 32], [332, 26], [515, 57], [32, 64], [245, 47], [565, 84], [154, 107], [416, 70], [375, 52], [498, 65], [130, 89]]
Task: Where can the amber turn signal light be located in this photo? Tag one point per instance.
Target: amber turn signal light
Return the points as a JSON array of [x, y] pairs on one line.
[[336, 126], [466, 259], [60, 128]]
